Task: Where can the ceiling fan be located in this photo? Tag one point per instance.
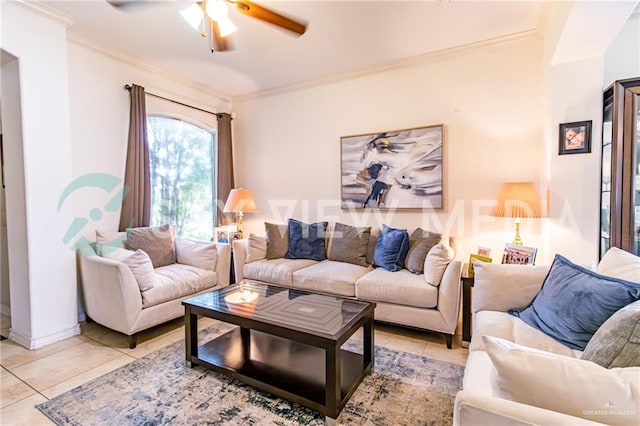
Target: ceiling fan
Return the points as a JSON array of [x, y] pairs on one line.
[[214, 15]]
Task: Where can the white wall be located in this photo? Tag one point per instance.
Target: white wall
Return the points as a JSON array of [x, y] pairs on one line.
[[100, 120], [42, 269], [287, 145], [5, 302], [622, 59]]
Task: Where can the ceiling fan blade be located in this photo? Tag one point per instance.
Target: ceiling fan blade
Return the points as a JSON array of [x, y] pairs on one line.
[[218, 43], [129, 5], [267, 15]]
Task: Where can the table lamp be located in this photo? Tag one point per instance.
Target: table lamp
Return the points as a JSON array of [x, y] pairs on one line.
[[240, 201], [518, 200]]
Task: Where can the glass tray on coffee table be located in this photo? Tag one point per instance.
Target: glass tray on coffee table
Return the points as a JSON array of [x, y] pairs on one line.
[[289, 342]]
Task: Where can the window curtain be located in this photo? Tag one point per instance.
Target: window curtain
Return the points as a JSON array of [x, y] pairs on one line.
[[136, 204], [225, 166]]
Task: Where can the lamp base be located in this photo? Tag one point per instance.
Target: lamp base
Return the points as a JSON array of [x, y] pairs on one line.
[[517, 240]]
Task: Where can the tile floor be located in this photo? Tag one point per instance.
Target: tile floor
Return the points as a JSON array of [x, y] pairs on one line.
[[28, 377]]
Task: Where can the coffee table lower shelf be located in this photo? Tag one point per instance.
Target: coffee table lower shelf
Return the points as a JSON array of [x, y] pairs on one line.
[[292, 370]]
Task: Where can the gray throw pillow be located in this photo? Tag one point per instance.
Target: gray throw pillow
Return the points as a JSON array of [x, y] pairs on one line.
[[371, 247], [420, 242], [156, 241], [277, 240], [617, 342], [349, 244]]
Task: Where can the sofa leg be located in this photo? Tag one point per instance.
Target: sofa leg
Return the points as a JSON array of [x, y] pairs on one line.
[[133, 341], [449, 338]]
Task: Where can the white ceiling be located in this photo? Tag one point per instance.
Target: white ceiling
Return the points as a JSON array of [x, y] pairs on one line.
[[342, 37]]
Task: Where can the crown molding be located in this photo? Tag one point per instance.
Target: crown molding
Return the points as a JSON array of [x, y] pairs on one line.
[[402, 63], [121, 57], [45, 10]]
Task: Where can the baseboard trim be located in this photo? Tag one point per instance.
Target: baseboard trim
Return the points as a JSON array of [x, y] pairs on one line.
[[31, 343], [5, 310]]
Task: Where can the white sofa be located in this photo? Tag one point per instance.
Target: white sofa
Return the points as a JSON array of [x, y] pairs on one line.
[[401, 297], [497, 289], [113, 298]]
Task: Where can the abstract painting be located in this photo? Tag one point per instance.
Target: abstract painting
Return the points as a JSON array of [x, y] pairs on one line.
[[400, 169]]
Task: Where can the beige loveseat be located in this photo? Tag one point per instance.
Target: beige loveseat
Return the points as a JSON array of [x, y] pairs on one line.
[[518, 375], [113, 295], [401, 297]]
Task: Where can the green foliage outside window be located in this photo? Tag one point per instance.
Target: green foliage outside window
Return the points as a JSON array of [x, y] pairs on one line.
[[182, 159]]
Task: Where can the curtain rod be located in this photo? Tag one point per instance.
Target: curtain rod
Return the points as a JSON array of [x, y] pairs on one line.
[[127, 87]]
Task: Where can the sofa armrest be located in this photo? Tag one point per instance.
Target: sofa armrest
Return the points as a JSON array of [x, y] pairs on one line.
[[471, 408], [111, 294], [449, 294], [223, 264], [239, 258], [499, 287]]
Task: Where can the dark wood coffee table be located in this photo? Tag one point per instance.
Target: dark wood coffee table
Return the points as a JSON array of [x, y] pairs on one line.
[[289, 342]]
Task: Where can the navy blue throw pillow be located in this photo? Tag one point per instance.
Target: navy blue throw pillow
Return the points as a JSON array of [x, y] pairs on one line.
[[575, 301], [307, 241], [391, 248]]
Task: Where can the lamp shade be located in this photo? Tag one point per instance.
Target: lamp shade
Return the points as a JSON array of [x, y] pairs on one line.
[[518, 199], [240, 200]]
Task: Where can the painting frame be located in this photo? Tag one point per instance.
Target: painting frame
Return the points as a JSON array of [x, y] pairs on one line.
[[574, 138], [394, 169], [515, 254]]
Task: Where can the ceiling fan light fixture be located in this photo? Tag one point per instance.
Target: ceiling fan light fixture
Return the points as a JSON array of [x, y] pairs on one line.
[[226, 26], [193, 15], [219, 12]]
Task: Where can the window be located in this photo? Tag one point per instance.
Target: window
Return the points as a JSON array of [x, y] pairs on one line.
[[182, 159]]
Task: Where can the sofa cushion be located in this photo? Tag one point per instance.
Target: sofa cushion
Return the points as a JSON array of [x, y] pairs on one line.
[[349, 244], [108, 240], [617, 341], [201, 254], [175, 281], [277, 240], [401, 287], [156, 241], [568, 385], [391, 248], [436, 263], [256, 248], [575, 301], [276, 271], [620, 264], [139, 264], [501, 324], [420, 242], [307, 241], [329, 276], [477, 373], [501, 287]]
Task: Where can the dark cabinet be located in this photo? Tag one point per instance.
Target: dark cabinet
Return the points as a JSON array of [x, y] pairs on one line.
[[620, 174]]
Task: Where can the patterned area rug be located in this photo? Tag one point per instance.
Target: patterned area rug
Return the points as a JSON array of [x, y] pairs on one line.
[[404, 389]]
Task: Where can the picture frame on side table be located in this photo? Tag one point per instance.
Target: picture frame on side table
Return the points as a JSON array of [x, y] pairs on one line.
[[575, 138], [235, 236], [399, 169], [221, 235], [519, 255]]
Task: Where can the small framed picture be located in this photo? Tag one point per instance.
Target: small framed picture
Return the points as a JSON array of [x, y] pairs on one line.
[[575, 138], [484, 251], [519, 255], [477, 257], [235, 236], [221, 235]]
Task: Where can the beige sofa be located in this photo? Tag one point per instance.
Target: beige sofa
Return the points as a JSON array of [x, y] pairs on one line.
[[563, 389], [112, 296], [401, 297]]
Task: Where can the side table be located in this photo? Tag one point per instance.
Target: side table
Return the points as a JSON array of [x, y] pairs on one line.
[[467, 285]]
